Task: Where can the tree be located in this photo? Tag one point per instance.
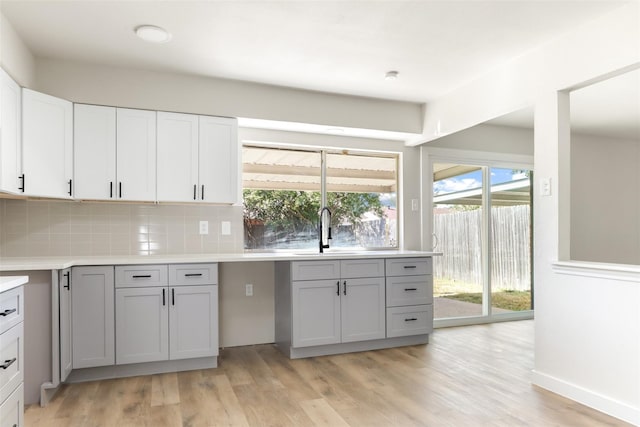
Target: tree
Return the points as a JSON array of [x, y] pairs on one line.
[[292, 211]]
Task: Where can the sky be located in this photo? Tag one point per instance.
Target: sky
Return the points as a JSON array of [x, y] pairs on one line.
[[473, 180]]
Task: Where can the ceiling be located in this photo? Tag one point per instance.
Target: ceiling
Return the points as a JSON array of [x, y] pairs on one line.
[[332, 46]]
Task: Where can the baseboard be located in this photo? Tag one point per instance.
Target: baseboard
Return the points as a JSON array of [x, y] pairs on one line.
[[47, 391], [352, 347], [588, 398]]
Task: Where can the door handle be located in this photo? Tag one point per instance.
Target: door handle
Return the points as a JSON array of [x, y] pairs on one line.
[[410, 319], [8, 312], [8, 363], [194, 191], [410, 289], [338, 288], [111, 189], [202, 192], [67, 286], [344, 290], [173, 296], [21, 177], [70, 186], [163, 298], [120, 189]]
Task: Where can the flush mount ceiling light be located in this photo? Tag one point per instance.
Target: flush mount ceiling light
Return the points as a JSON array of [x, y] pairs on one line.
[[391, 75], [152, 34]]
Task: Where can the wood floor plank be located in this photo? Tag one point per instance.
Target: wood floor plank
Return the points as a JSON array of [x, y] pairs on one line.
[[467, 376], [322, 413], [164, 389]]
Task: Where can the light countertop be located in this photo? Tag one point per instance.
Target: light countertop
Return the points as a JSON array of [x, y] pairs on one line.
[[58, 263], [9, 282]]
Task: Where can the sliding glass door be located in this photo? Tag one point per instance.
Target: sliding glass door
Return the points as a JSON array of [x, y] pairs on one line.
[[482, 225]]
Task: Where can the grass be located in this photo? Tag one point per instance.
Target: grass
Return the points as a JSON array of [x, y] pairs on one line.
[[472, 292], [508, 300]]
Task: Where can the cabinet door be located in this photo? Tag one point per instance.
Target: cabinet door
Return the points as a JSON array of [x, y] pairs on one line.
[[136, 154], [94, 129], [363, 309], [219, 160], [47, 145], [142, 325], [10, 134], [92, 309], [193, 321], [66, 343], [315, 312], [177, 157]]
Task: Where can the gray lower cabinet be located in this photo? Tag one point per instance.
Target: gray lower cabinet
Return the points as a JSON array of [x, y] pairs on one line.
[[178, 320], [337, 306], [348, 307], [65, 319], [92, 314]]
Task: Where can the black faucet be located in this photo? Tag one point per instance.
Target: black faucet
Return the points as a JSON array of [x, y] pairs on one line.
[[323, 247]]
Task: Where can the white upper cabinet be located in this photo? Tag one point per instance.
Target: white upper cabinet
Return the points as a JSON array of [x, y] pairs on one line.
[[10, 134], [47, 145], [198, 158], [136, 154], [219, 160], [177, 157], [94, 152]]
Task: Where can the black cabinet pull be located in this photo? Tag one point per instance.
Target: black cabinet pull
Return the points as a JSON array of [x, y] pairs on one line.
[[194, 191], [120, 189], [8, 363], [344, 291], [411, 319], [338, 288], [68, 281], [21, 177], [70, 186], [8, 312], [409, 266], [142, 276], [163, 301], [202, 192], [193, 275], [173, 296], [111, 189], [410, 289]]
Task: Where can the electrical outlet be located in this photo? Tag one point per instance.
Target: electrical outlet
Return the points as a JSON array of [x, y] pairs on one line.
[[248, 290], [414, 205], [225, 228], [204, 227], [545, 187]]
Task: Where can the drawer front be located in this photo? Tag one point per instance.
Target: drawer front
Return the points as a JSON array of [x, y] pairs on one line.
[[413, 320], [11, 360], [139, 276], [356, 268], [409, 290], [193, 274], [11, 308], [315, 270], [12, 410], [408, 266]]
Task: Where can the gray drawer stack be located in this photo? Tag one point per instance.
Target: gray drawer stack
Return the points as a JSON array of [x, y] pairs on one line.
[[409, 296], [12, 357]]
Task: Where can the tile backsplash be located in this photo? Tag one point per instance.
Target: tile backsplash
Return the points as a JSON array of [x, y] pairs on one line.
[[56, 228]]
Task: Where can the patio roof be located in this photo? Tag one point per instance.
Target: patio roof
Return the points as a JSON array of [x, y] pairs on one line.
[[505, 194], [271, 168]]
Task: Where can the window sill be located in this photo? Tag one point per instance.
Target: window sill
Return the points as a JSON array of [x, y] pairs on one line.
[[620, 272]]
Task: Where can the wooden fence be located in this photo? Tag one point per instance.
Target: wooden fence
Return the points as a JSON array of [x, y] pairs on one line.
[[460, 239]]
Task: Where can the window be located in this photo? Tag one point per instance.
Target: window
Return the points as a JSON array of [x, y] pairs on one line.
[[283, 190]]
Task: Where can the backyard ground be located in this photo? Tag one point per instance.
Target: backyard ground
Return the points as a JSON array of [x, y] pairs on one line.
[[472, 293]]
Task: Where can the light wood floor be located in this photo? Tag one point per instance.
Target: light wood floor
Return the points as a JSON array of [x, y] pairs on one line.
[[468, 376]]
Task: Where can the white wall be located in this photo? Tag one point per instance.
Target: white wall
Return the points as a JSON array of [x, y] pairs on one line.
[[587, 326], [605, 199], [15, 57], [98, 84], [490, 138]]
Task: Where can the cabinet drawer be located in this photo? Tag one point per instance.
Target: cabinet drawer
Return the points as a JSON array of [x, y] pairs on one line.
[[408, 266], [193, 274], [11, 360], [11, 308], [409, 290], [138, 276], [412, 320], [356, 268], [12, 410], [315, 270]]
